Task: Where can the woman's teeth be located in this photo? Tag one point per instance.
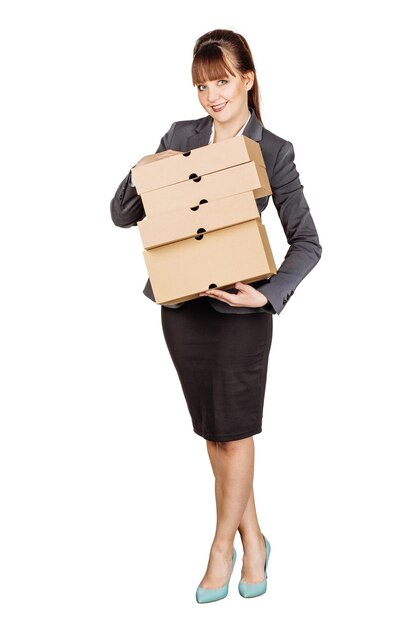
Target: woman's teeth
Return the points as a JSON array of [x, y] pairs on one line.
[[220, 107]]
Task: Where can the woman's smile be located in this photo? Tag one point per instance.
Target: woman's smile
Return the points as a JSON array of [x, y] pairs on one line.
[[219, 107]]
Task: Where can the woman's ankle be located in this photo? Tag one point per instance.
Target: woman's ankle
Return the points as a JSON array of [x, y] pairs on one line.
[[252, 537], [222, 546]]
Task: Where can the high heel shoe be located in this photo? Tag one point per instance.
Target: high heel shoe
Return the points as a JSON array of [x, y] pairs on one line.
[[251, 590], [218, 593]]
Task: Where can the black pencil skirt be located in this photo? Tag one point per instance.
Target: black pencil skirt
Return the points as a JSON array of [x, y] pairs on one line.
[[222, 361]]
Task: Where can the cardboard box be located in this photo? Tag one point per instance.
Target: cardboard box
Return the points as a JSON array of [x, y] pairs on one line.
[[216, 259], [198, 162], [202, 227], [204, 218], [212, 186]]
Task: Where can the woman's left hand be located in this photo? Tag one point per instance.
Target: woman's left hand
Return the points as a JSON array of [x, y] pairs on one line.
[[246, 296]]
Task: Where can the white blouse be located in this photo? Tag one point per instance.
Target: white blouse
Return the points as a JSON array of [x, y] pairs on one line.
[[239, 133]]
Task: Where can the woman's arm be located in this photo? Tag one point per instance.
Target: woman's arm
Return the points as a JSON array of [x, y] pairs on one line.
[[126, 207], [293, 211]]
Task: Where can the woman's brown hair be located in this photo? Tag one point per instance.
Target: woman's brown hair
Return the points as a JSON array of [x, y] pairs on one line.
[[220, 51]]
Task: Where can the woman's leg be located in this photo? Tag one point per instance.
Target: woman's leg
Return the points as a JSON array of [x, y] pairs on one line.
[[254, 551], [233, 467]]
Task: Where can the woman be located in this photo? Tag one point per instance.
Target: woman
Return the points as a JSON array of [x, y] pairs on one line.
[[219, 349]]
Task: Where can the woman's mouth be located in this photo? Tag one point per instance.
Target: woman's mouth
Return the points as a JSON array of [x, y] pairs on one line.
[[219, 107]]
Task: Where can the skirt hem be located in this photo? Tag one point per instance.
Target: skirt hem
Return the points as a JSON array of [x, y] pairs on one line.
[[220, 438]]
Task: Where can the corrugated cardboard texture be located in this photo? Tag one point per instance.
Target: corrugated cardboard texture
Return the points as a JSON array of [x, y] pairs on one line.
[[212, 186], [197, 162], [179, 271], [189, 222]]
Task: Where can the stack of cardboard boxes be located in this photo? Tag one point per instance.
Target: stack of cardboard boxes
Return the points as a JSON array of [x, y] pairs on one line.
[[202, 227]]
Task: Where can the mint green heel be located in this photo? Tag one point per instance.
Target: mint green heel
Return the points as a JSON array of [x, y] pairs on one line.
[[211, 595], [251, 590]]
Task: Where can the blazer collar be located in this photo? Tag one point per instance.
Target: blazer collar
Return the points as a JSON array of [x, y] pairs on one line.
[[253, 130]]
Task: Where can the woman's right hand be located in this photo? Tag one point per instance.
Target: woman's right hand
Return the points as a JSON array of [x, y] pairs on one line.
[[157, 157]]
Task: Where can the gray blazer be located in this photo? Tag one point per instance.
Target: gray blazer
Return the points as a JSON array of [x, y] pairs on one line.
[[304, 250]]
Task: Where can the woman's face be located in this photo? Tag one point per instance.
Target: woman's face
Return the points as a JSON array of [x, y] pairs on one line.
[[232, 90]]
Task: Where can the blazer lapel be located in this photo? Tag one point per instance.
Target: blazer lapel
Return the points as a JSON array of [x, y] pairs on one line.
[[202, 131]]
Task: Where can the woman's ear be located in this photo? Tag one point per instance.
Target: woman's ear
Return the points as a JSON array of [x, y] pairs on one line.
[[249, 80]]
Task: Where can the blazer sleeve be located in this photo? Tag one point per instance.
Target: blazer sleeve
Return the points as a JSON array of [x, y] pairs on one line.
[[293, 211], [126, 207]]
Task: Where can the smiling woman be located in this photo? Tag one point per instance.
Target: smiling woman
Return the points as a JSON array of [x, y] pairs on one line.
[[226, 81], [220, 342]]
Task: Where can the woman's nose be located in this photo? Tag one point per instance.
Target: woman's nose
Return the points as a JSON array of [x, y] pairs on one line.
[[213, 97]]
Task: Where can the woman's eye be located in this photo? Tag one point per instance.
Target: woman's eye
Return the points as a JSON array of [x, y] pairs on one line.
[[222, 80]]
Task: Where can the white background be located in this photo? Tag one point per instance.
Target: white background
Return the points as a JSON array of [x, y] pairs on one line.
[[107, 494]]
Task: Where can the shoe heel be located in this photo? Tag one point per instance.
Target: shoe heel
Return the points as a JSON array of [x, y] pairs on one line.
[[252, 590]]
